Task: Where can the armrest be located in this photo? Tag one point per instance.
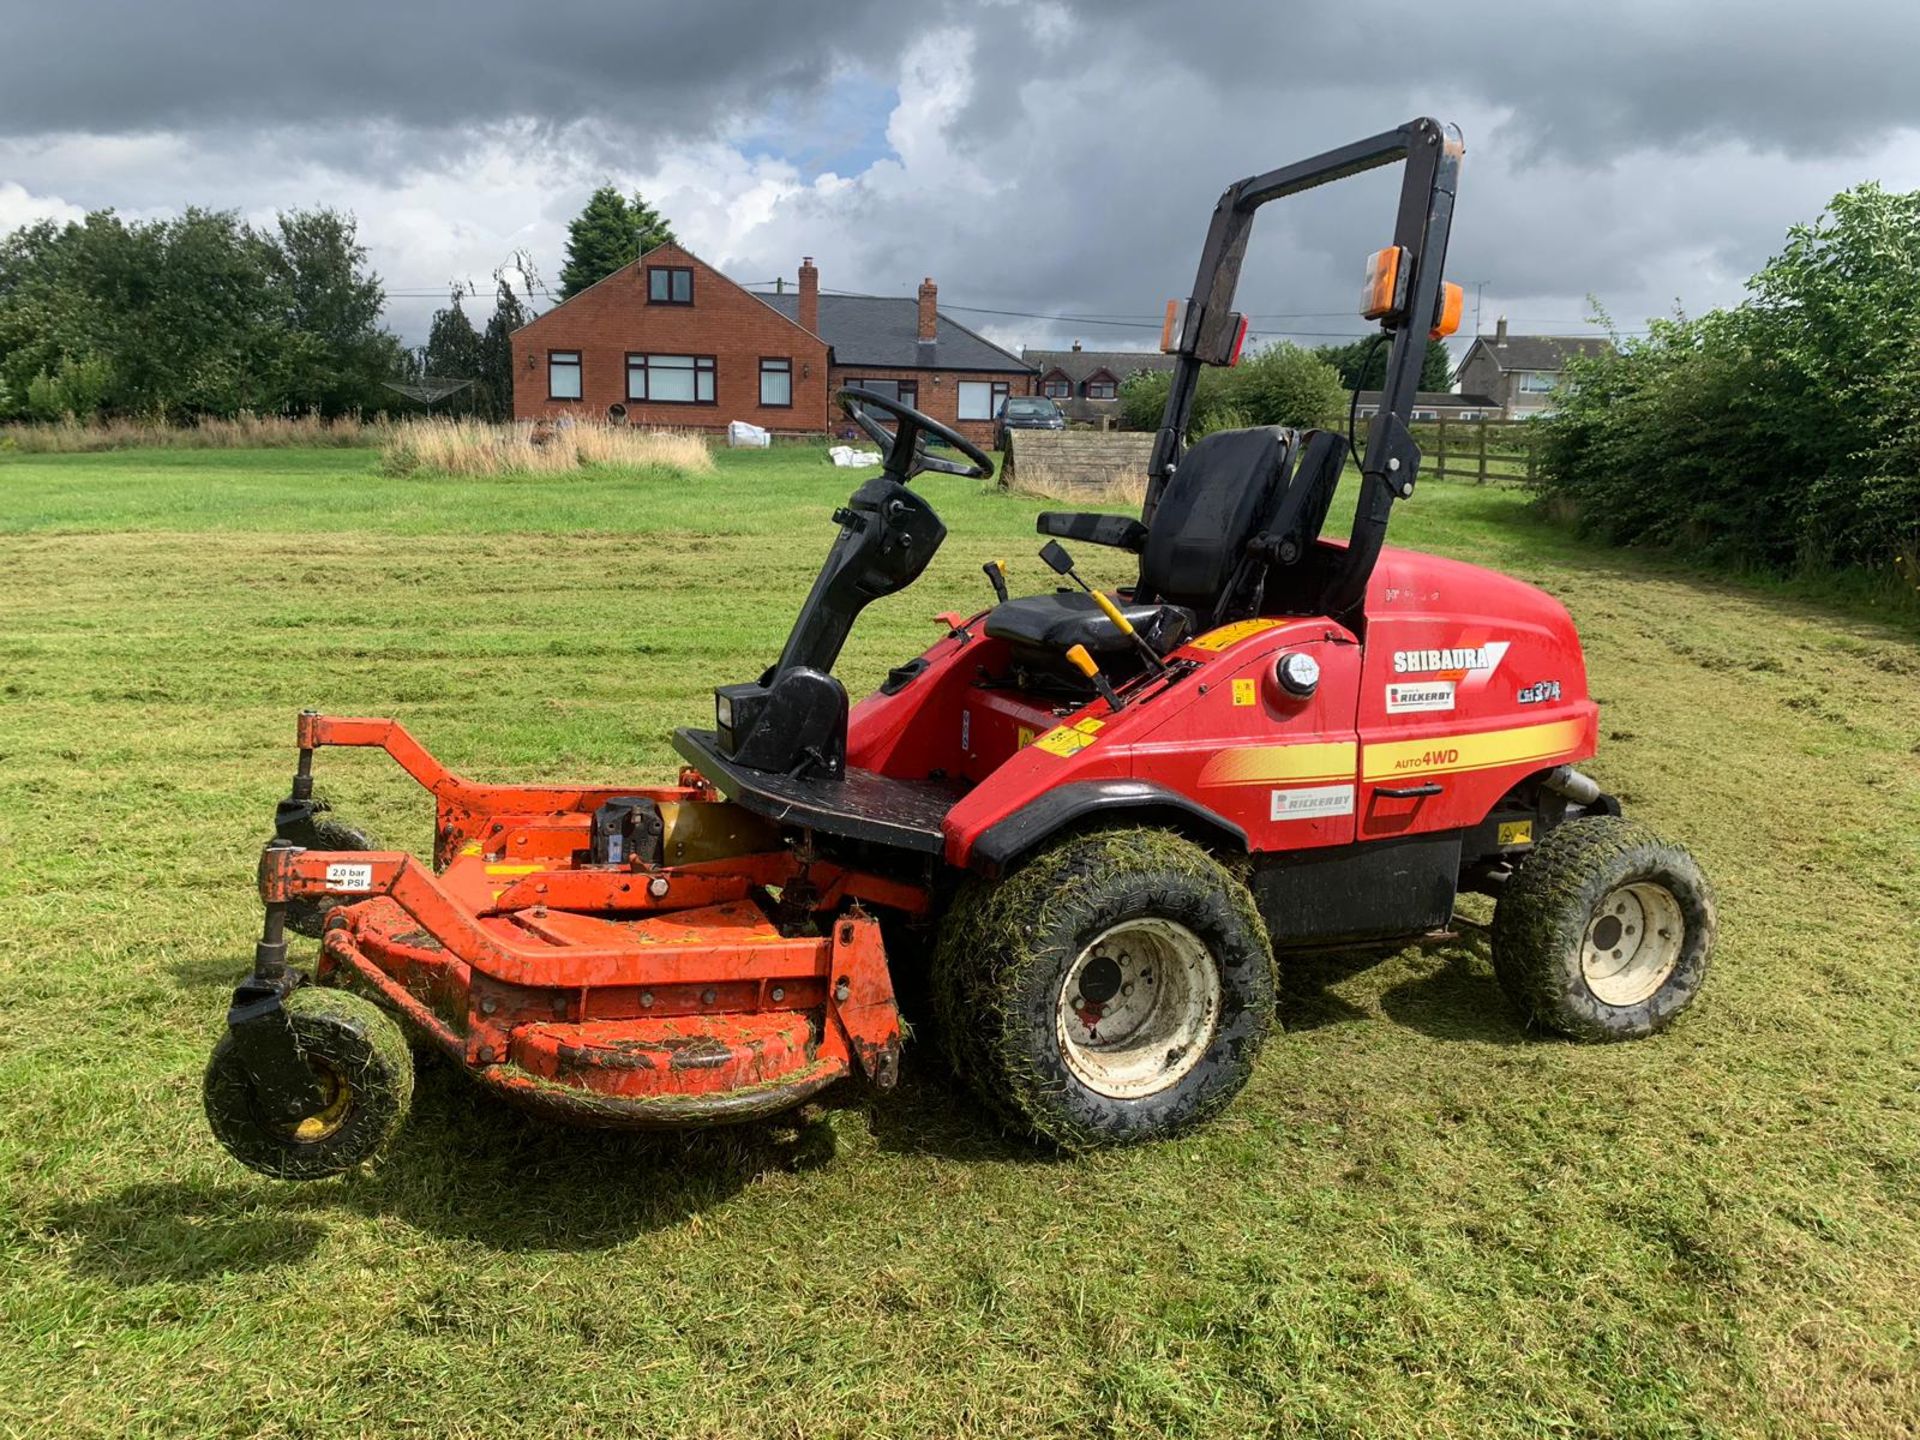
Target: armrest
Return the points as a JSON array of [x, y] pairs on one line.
[[1122, 532]]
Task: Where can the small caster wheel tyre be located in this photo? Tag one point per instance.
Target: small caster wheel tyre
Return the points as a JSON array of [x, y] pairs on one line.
[[361, 1057], [1605, 930]]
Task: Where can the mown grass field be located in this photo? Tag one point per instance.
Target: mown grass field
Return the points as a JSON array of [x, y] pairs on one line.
[[1419, 1220]]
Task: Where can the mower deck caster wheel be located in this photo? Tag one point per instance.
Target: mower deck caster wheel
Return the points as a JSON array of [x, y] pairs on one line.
[[1116, 988], [1604, 931], [365, 1068], [308, 915]]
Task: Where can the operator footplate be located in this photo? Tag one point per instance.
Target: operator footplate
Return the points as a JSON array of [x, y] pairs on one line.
[[860, 805]]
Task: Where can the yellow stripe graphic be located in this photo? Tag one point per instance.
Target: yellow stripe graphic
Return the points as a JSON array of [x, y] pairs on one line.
[[1261, 764], [1490, 748]]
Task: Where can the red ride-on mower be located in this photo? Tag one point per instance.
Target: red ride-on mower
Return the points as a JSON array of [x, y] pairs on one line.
[[1109, 811]]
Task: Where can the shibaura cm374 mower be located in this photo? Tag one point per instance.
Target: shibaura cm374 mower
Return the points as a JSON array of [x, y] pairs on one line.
[[1084, 824]]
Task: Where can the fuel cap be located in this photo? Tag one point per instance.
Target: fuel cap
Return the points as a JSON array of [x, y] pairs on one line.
[[1299, 673]]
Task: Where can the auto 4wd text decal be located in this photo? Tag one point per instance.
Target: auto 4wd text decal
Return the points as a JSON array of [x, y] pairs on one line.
[[1527, 744]]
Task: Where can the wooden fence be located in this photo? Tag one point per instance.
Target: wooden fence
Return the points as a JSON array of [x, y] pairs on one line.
[[1487, 452], [1482, 452], [1113, 464]]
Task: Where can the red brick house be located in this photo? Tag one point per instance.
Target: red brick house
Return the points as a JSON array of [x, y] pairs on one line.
[[670, 341]]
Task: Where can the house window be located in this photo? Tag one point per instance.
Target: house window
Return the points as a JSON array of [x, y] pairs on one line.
[[776, 382], [563, 374], [1056, 388], [670, 379], [907, 392], [1536, 382], [980, 399], [1426, 415], [1101, 390], [669, 285]]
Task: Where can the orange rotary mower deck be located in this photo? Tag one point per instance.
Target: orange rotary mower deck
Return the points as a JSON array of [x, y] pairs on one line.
[[674, 994]]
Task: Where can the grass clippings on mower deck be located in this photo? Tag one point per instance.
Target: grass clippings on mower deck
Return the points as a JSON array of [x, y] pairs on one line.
[[1419, 1219]]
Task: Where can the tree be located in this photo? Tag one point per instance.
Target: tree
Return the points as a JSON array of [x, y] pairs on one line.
[[611, 231], [1280, 385], [453, 353], [201, 314], [333, 305], [495, 400], [1362, 365]]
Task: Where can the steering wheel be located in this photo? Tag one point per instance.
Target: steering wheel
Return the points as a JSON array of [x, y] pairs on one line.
[[904, 451]]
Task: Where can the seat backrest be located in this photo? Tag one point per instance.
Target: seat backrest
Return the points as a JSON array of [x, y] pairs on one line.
[[1207, 514]]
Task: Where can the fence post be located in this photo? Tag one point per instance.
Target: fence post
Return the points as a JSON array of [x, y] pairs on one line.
[[1533, 453], [1482, 427], [1440, 448]]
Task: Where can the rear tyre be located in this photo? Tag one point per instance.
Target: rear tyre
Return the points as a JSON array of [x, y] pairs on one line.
[[1116, 988], [362, 1060], [1605, 930], [307, 915]]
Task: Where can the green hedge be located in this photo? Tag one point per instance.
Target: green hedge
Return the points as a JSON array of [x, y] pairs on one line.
[[1784, 432]]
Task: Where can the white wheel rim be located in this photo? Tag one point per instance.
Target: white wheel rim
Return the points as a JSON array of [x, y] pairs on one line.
[[1138, 1008], [1633, 942]]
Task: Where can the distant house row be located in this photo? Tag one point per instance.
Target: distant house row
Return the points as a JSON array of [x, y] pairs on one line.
[[671, 341]]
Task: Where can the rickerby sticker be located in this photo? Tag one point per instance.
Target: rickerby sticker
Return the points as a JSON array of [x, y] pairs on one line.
[[1312, 801], [1417, 695], [1458, 662]]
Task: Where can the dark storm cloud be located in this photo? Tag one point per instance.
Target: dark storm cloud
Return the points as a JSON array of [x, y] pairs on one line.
[[1583, 80], [648, 71], [1634, 149]]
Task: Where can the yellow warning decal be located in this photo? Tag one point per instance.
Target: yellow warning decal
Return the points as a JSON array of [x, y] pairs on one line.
[[1243, 692], [1233, 634], [1267, 764], [514, 869], [1026, 737], [1069, 739], [1485, 751], [1515, 832]]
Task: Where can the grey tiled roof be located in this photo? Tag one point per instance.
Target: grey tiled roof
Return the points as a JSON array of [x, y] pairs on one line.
[[1541, 352], [1077, 365], [884, 331]]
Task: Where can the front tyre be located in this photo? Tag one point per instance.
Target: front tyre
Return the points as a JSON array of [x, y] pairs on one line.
[[1605, 930], [1116, 988], [361, 1057]]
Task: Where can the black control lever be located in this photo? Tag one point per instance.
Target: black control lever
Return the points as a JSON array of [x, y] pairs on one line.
[[1061, 563], [996, 573]]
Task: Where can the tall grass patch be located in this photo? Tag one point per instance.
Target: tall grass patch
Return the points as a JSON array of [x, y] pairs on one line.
[[447, 446], [244, 431]]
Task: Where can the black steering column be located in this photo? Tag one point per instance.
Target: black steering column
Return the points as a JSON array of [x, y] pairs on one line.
[[794, 718]]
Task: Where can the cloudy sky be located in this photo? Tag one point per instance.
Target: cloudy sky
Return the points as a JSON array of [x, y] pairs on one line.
[[1056, 158]]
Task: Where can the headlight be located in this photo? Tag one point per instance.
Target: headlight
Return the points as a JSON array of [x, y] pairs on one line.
[[723, 711]]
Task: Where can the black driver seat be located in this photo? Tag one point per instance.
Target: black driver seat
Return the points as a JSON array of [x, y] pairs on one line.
[[1189, 557]]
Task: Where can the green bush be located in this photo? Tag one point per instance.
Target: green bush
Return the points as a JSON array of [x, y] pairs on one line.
[[1281, 385], [1784, 432]]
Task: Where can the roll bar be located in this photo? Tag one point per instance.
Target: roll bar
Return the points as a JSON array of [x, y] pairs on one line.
[[1391, 460]]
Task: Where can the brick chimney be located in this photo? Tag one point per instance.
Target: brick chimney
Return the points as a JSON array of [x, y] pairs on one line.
[[809, 295], [1500, 331], [929, 311], [1076, 347]]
